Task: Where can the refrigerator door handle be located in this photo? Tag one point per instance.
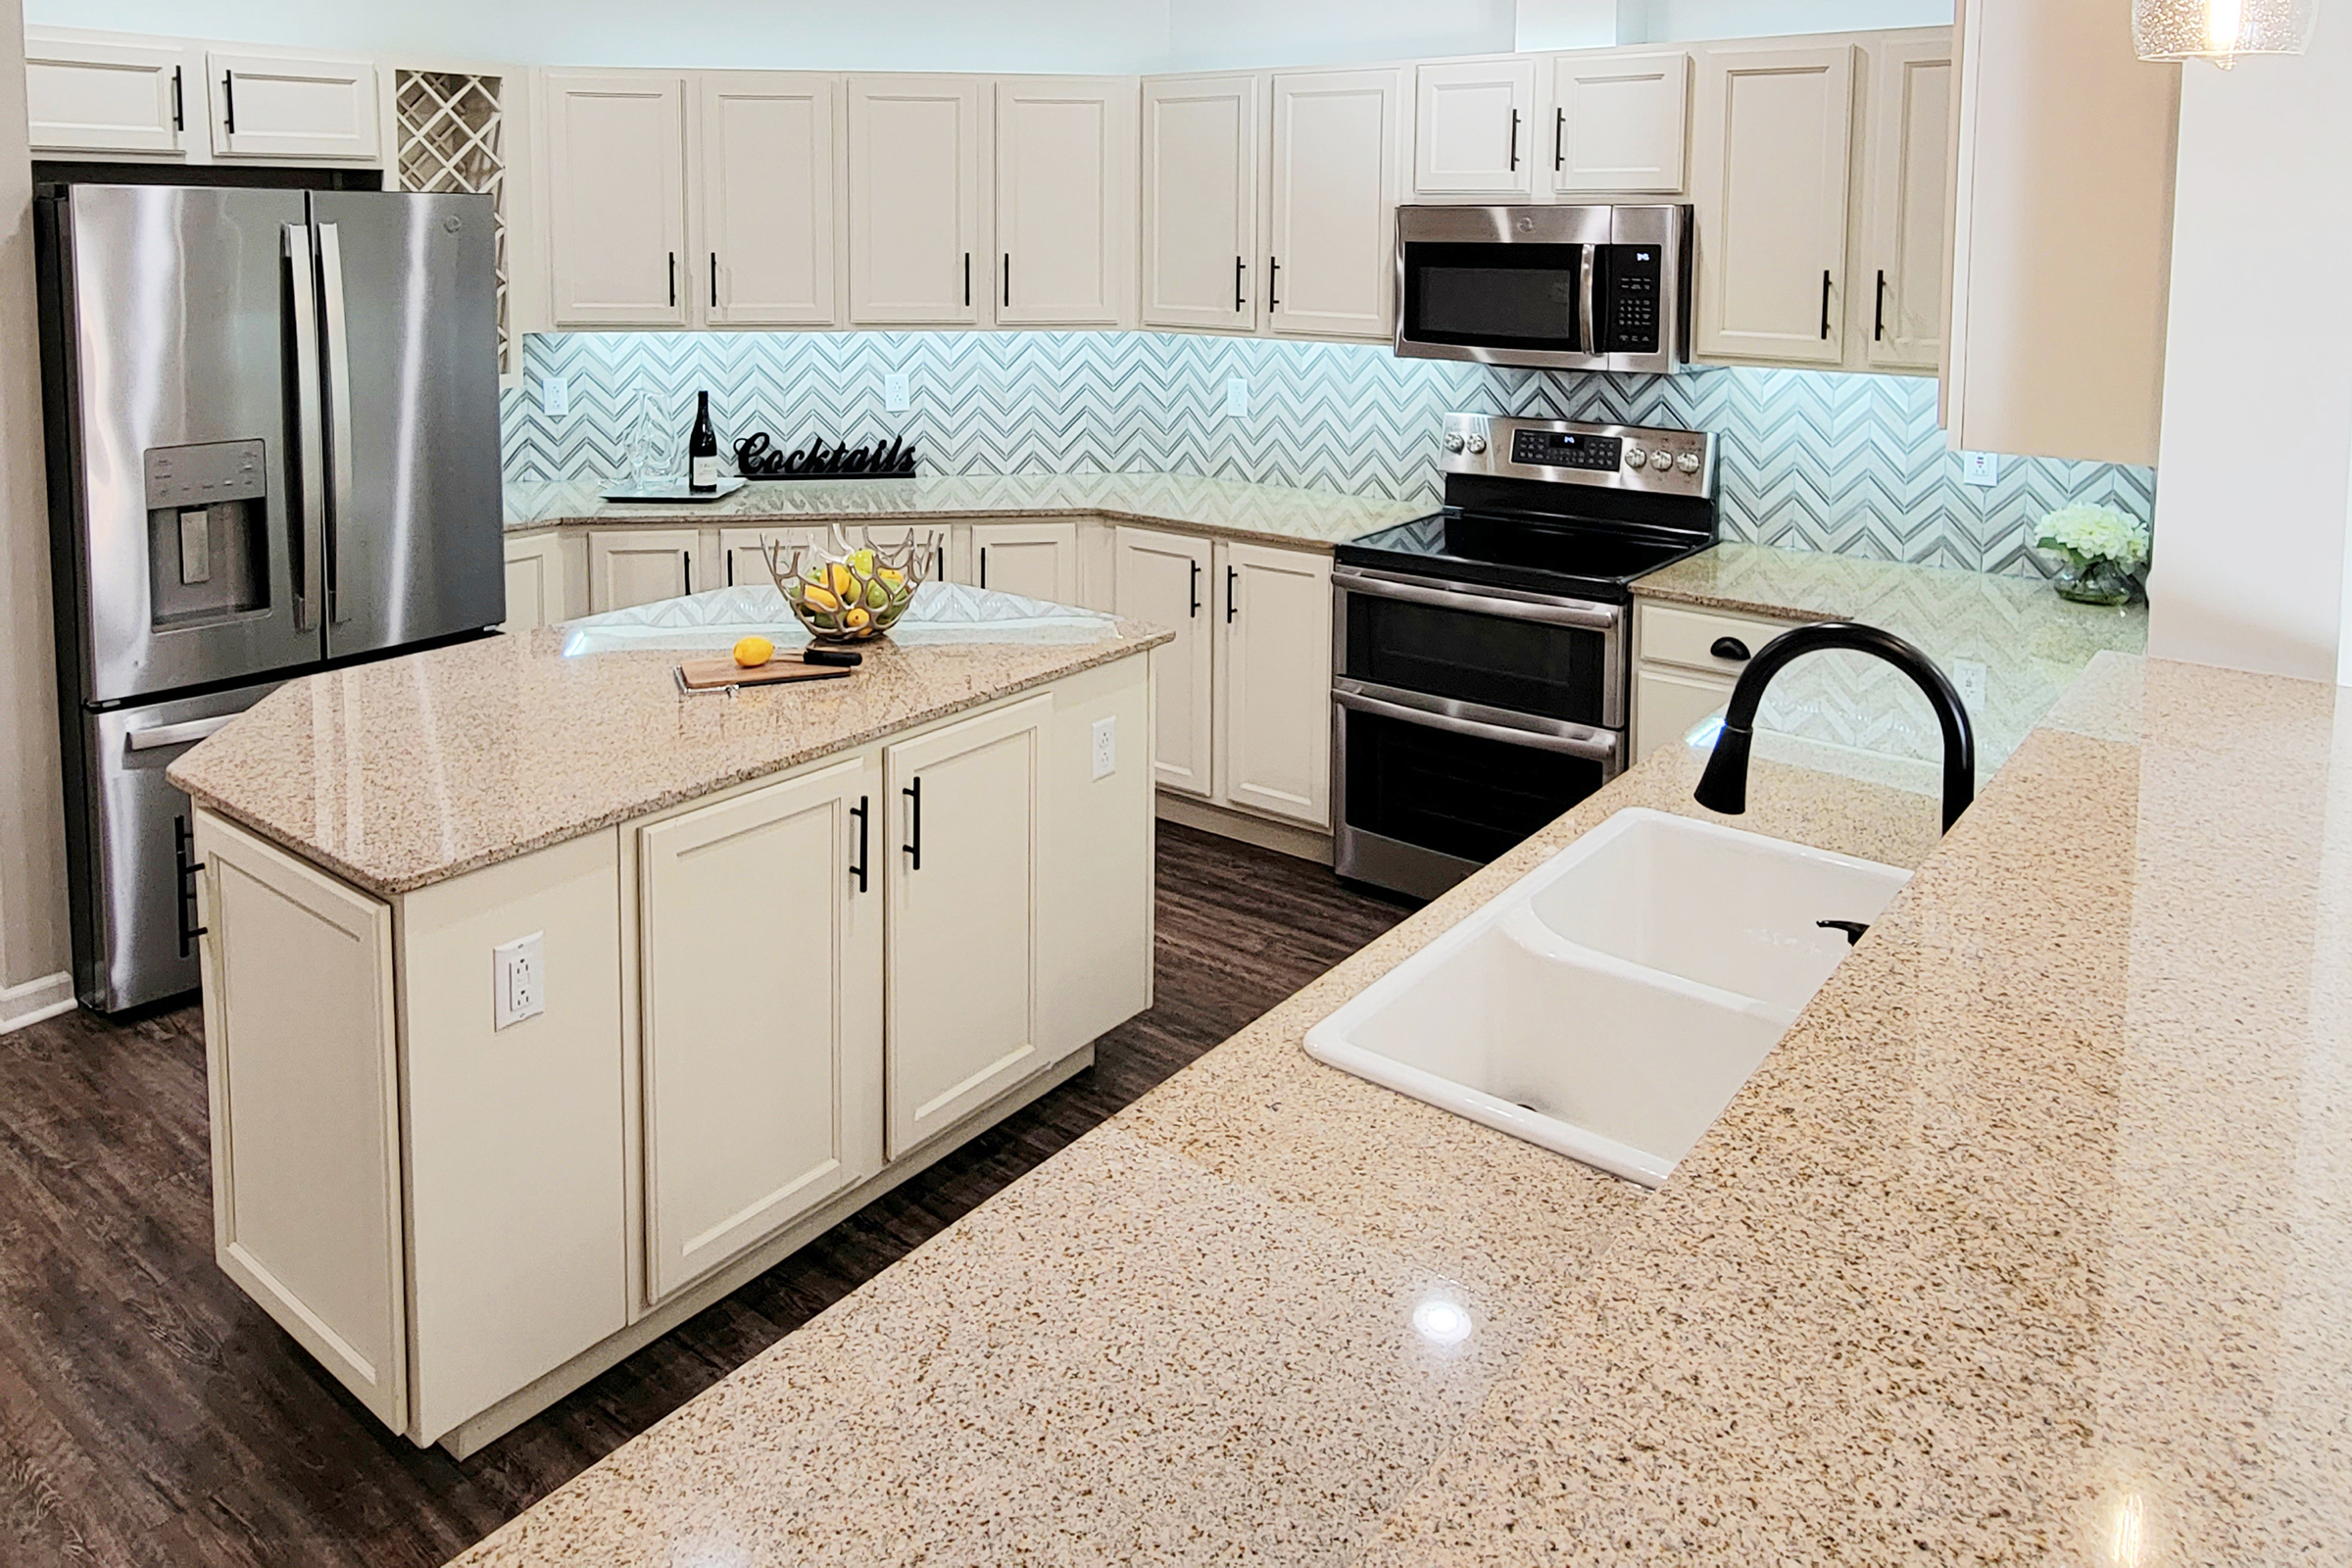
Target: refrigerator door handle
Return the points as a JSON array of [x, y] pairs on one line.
[[309, 531], [337, 335]]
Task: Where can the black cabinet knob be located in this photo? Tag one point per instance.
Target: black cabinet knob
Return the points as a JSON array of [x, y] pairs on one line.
[[1730, 647]]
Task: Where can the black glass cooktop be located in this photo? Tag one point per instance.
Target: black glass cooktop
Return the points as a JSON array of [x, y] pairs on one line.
[[1564, 556]]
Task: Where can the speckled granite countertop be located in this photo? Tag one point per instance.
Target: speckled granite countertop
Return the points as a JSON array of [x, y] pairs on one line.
[[2030, 1243], [1272, 513], [398, 774]]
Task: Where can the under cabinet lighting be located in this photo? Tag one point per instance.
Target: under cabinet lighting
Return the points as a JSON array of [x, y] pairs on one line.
[[2220, 30]]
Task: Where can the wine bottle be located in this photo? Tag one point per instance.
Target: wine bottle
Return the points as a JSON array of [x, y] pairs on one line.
[[702, 450]]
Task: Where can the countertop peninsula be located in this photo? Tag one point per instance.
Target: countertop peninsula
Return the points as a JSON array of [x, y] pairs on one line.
[[2025, 1241]]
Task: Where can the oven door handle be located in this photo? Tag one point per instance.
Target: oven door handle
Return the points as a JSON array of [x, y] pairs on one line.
[[1600, 748], [1595, 618]]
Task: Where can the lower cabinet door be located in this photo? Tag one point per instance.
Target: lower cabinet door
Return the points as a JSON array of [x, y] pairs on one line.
[[743, 553], [534, 582], [1667, 703], [639, 567], [1035, 559], [964, 840], [761, 928], [1165, 579], [1273, 612]]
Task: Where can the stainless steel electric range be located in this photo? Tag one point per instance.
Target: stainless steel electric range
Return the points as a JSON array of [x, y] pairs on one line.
[[1483, 656]]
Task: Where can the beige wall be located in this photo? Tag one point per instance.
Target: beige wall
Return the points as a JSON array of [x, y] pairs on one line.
[[33, 946]]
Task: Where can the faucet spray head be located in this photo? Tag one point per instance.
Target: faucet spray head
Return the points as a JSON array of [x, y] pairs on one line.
[[1724, 786]]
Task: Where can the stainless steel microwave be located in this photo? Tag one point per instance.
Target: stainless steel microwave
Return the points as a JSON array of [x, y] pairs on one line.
[[1565, 288]]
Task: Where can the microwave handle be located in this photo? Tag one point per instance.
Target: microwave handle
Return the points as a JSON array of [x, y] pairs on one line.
[[1588, 336]]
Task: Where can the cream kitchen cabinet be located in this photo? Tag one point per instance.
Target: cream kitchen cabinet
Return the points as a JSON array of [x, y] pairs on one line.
[[638, 565], [743, 556], [1273, 682], [1331, 262], [1066, 151], [1620, 124], [1035, 559], [1906, 190], [761, 1037], [766, 198], [102, 94], [1686, 662], [1164, 579], [535, 594], [1772, 184], [918, 205], [615, 198], [1474, 127], [1203, 152], [291, 107]]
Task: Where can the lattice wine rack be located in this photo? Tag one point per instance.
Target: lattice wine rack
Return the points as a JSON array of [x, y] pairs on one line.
[[451, 136]]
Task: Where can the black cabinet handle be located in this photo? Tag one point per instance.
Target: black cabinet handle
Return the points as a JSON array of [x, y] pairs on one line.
[[913, 846], [1824, 305], [1196, 611], [862, 813], [715, 280], [1878, 332], [1241, 301], [984, 565], [228, 102], [180, 103], [1231, 609], [1730, 647], [673, 280], [183, 851], [687, 555], [1560, 140], [1514, 141], [967, 280], [1008, 280], [1273, 285]]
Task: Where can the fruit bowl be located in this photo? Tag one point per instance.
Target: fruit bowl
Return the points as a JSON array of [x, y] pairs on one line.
[[852, 592]]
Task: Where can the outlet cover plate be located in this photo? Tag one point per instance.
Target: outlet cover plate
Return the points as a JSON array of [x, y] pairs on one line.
[[519, 977], [555, 396], [1981, 469], [895, 396], [1106, 747], [1237, 397], [1968, 679]]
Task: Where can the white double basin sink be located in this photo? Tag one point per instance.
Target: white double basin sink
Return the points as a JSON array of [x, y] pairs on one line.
[[1611, 1002]]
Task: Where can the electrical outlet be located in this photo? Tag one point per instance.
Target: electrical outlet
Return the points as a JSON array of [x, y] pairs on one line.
[[896, 398], [1237, 397], [1981, 469], [1106, 747], [555, 396], [518, 976], [1968, 679]]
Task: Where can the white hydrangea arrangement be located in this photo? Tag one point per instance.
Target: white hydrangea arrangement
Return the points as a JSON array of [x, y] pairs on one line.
[[2096, 534]]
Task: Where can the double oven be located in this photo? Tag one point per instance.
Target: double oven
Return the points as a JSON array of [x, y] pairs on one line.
[[1481, 656]]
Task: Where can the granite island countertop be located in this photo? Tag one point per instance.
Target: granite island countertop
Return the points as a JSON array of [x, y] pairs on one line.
[[2028, 1245], [398, 774], [1277, 515]]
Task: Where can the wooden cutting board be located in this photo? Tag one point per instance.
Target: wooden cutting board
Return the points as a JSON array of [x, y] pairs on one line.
[[714, 674]]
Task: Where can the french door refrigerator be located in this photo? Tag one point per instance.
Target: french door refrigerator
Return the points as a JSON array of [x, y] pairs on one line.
[[273, 445]]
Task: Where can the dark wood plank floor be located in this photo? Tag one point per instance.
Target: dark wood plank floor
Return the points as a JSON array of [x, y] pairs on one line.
[[151, 1414]]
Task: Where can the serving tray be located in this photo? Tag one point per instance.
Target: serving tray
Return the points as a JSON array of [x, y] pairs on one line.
[[673, 489]]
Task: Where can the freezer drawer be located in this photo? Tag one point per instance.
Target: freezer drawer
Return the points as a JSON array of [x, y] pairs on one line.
[[133, 925]]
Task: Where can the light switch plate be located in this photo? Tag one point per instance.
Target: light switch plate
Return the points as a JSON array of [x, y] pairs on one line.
[[896, 398], [1981, 469], [1237, 397], [1106, 747], [518, 976], [555, 396]]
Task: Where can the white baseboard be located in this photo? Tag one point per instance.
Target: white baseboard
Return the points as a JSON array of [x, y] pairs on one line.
[[35, 999], [1280, 837]]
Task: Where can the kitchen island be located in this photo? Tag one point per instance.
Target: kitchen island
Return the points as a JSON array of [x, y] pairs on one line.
[[546, 1002], [2026, 1244]]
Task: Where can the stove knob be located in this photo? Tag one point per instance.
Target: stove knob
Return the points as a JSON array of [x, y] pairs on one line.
[[1661, 461], [1453, 443], [1635, 458], [1687, 462], [1478, 445]]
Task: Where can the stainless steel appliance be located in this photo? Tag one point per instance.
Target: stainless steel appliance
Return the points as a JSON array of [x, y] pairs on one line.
[[273, 446], [1483, 670], [1572, 288]]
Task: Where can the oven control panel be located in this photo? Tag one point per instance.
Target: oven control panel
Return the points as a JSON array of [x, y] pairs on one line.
[[1618, 457]]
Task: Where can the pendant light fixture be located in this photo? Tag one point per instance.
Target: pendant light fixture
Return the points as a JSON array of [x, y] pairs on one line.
[[2220, 30]]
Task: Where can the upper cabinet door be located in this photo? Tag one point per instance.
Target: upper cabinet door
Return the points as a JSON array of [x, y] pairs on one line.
[[1775, 143], [1620, 124], [1908, 193], [1201, 173], [1332, 266], [266, 105], [84, 96], [767, 198], [1065, 200], [616, 206], [1474, 125], [918, 207]]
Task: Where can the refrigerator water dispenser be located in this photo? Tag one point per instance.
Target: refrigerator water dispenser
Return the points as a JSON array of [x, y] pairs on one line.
[[208, 531]]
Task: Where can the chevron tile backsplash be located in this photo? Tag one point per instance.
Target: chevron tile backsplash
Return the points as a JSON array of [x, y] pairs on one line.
[[1810, 460]]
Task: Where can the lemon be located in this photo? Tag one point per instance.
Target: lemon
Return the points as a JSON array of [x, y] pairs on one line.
[[753, 651], [821, 598], [892, 576], [855, 619], [839, 578]]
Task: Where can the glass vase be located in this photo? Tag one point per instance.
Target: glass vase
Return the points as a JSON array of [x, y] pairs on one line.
[[2089, 581]]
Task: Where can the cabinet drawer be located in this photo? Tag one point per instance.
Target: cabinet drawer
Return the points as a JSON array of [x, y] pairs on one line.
[[1672, 635]]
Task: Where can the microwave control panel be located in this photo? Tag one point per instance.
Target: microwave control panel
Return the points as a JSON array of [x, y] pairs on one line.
[[1637, 274]]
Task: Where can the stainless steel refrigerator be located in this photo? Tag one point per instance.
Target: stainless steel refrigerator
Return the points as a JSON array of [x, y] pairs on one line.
[[273, 443]]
